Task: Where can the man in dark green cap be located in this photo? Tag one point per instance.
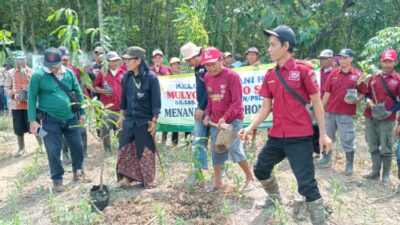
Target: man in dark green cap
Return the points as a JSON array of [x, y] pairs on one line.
[[54, 89]]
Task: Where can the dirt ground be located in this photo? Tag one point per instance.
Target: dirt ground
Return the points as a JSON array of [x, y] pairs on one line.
[[25, 197]]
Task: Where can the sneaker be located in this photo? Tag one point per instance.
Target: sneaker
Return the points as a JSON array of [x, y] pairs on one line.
[[58, 186], [80, 175]]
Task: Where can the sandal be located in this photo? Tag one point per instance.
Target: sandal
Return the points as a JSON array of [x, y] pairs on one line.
[[249, 186]]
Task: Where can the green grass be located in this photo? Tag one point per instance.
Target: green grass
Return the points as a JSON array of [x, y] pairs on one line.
[[5, 123]]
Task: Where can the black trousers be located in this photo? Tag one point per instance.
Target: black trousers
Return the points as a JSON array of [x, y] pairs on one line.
[[20, 121], [299, 151], [316, 139]]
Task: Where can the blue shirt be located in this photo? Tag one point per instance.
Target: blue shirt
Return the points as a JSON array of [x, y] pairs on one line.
[[201, 92]]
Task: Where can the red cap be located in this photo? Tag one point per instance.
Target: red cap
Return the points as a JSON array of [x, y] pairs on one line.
[[389, 54], [210, 55]]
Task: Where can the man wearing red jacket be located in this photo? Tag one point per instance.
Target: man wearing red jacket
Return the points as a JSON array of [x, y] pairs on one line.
[[382, 89], [225, 106], [110, 89], [342, 92], [291, 132]]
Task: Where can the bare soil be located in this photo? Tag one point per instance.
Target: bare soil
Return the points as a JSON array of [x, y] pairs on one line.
[[351, 200]]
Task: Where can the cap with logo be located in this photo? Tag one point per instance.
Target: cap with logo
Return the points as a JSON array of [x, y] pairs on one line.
[[284, 32], [190, 50], [252, 49], [64, 52], [326, 53], [389, 54], [52, 57], [174, 60], [210, 55], [134, 52], [157, 52], [346, 52], [112, 56]]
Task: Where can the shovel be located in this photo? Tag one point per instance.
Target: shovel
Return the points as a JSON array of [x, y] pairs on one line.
[[225, 137], [99, 194]]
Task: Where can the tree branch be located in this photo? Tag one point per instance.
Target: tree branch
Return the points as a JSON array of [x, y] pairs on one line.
[[331, 26]]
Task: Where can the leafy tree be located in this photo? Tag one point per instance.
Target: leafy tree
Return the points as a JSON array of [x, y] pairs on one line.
[[388, 38]]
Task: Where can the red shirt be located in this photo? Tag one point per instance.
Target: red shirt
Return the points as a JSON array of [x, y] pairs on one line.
[[337, 85], [224, 93], [77, 73], [123, 67], [290, 117], [324, 73], [115, 84], [164, 70], [393, 83]]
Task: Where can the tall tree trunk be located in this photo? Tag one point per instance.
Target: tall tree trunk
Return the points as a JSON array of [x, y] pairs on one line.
[[167, 26], [100, 15], [33, 36], [131, 14], [22, 27], [82, 13]]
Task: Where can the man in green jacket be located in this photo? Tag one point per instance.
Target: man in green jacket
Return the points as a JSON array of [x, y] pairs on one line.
[[48, 102]]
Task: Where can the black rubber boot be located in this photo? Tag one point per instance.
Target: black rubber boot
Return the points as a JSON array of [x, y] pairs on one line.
[[349, 163]]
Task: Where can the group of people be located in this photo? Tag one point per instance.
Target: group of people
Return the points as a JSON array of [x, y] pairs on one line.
[[307, 114], [342, 89]]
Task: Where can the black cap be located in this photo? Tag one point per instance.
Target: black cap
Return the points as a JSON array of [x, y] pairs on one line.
[[284, 32], [52, 57], [64, 52], [346, 52], [134, 52]]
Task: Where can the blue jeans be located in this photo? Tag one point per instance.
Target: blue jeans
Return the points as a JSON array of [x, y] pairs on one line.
[[200, 137], [52, 141]]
